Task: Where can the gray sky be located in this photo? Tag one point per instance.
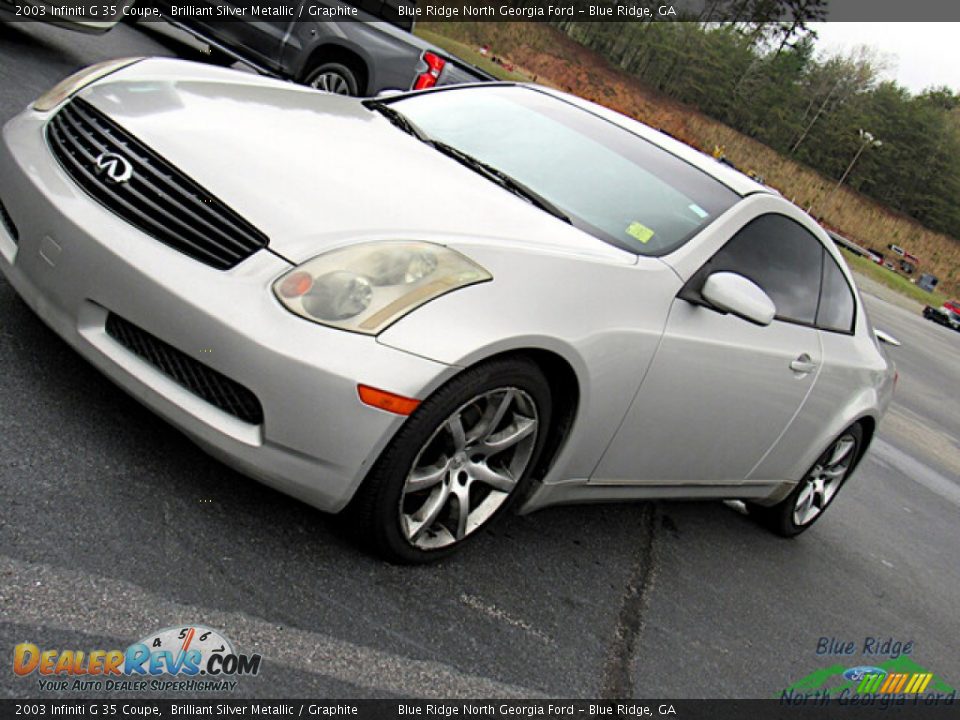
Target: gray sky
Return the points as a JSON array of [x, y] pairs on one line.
[[923, 54]]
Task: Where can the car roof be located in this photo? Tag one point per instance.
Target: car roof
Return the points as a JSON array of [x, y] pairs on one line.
[[725, 174]]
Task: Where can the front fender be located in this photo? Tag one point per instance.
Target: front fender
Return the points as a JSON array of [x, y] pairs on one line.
[[604, 319]]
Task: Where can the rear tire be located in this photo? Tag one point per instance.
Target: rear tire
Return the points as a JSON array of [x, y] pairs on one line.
[[816, 491], [335, 78], [460, 460]]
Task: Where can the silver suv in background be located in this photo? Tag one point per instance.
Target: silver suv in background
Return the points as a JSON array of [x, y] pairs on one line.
[[374, 53]]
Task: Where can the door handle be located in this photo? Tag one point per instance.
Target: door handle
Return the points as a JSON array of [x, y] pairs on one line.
[[803, 364]]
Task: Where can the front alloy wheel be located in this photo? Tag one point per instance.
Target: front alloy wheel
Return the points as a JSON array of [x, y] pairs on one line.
[[458, 461], [812, 495], [468, 468]]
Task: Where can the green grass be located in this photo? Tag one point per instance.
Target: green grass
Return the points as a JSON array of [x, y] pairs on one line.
[[892, 280], [471, 55]]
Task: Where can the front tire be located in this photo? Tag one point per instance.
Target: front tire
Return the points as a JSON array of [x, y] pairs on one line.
[[458, 462], [813, 495]]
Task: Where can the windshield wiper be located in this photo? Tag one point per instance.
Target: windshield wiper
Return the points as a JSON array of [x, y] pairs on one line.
[[398, 119], [501, 178], [491, 173]]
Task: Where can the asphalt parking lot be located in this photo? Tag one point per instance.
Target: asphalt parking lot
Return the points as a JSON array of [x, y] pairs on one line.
[[113, 525]]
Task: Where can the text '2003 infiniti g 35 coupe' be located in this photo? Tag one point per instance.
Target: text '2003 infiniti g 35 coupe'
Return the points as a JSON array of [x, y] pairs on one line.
[[429, 308]]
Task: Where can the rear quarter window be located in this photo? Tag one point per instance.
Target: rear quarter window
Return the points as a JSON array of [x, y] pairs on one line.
[[837, 307]]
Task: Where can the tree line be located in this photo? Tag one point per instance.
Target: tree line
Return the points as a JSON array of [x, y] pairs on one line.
[[763, 77]]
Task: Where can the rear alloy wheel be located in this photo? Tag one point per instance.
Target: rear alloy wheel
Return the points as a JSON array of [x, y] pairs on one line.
[[333, 78], [810, 499], [459, 461]]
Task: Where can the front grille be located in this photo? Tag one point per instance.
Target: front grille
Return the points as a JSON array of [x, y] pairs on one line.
[[218, 390], [8, 223], [157, 198]]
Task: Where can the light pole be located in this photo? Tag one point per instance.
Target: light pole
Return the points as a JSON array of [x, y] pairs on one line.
[[866, 140]]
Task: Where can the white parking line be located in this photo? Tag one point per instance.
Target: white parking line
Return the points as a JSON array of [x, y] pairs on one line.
[[64, 599], [909, 467], [495, 613]]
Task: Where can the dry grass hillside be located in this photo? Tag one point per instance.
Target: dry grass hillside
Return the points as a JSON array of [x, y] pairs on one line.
[[542, 53]]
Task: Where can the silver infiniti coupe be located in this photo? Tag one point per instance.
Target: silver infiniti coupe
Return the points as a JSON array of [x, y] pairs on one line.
[[425, 309]]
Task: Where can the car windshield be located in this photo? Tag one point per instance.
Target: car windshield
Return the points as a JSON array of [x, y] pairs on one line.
[[609, 182]]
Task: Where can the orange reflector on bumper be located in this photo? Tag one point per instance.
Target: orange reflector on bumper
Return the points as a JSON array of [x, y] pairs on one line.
[[387, 401]]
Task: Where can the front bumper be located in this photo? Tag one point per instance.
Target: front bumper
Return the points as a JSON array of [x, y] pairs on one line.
[[75, 262]]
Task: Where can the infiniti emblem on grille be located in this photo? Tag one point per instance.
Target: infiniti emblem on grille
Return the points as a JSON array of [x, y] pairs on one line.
[[117, 167]]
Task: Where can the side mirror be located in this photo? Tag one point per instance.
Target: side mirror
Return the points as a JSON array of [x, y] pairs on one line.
[[886, 338], [733, 293]]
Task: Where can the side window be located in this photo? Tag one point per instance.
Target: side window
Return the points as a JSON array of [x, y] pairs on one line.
[[837, 307], [780, 256]]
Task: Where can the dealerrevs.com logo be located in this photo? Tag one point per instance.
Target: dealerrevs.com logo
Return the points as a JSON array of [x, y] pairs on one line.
[[189, 658]]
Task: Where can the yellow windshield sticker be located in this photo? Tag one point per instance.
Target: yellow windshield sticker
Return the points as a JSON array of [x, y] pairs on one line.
[[640, 232]]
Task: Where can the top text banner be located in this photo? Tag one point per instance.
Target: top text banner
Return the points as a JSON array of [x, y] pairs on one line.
[[560, 11]]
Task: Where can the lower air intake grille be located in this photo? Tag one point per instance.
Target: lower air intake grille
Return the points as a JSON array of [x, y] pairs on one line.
[[8, 223], [218, 390]]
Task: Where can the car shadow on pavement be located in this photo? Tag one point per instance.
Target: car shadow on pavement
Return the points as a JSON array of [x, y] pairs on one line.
[[100, 485]]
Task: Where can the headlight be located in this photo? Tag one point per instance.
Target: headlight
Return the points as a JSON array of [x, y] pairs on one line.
[[76, 82], [364, 288]]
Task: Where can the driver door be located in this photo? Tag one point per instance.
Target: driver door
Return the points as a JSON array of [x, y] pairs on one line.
[[721, 390]]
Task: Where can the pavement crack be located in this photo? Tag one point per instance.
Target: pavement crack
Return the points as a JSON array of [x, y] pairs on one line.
[[617, 682]]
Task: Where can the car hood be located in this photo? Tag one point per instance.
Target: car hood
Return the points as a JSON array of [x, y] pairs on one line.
[[315, 171]]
